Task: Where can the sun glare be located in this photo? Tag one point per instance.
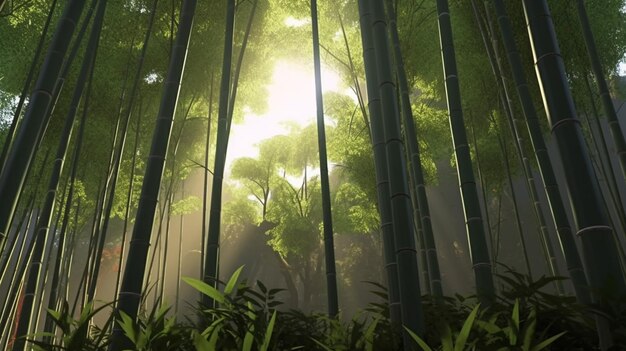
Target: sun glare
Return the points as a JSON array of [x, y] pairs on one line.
[[295, 22], [291, 99]]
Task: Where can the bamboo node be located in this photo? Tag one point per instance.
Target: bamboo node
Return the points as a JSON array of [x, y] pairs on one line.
[[129, 293], [593, 228], [563, 121]]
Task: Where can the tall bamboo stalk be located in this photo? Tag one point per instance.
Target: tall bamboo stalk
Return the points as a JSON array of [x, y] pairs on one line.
[[27, 83], [26, 316], [380, 162], [57, 272], [518, 221], [473, 218], [491, 46], [605, 96], [606, 167], [180, 250], [559, 213], [329, 247], [205, 189], [22, 151], [111, 185], [130, 292], [401, 209], [237, 71], [483, 188], [211, 260], [23, 258], [129, 194], [415, 162], [599, 250]]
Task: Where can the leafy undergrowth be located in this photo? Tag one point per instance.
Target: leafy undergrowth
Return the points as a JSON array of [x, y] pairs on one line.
[[250, 318]]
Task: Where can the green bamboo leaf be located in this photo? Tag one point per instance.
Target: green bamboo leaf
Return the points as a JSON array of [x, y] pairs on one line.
[[418, 340], [489, 327], [268, 333], [369, 335], [56, 316], [205, 289], [542, 345], [200, 343], [209, 330], [465, 330], [249, 338], [214, 335], [326, 348], [447, 344], [529, 331], [128, 326], [261, 286], [232, 281], [515, 328]]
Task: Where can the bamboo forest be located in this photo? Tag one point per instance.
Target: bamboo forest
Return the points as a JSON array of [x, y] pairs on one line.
[[262, 175]]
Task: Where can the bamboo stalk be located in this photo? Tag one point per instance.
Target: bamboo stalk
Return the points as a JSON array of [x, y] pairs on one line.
[[211, 260], [599, 250], [22, 151], [404, 236], [329, 247], [555, 201], [415, 162], [130, 292], [481, 262], [380, 162]]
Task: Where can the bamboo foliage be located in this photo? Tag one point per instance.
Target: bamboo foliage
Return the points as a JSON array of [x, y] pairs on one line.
[[130, 292], [23, 149], [329, 247], [473, 218]]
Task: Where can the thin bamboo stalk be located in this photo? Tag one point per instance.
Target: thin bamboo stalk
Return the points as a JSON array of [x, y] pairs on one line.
[[329, 247], [22, 151], [415, 162], [27, 84], [599, 250], [130, 292], [211, 260], [555, 201], [481, 262], [605, 96]]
